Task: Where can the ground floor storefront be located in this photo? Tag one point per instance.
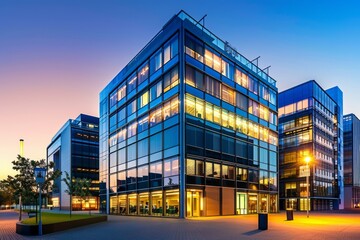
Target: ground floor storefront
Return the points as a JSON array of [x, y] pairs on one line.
[[315, 204], [78, 204], [208, 201]]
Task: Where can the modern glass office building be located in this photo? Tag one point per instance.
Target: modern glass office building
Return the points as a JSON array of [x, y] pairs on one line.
[[351, 161], [189, 128], [75, 149], [310, 126]]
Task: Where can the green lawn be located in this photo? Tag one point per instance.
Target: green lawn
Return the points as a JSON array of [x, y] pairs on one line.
[[48, 218]]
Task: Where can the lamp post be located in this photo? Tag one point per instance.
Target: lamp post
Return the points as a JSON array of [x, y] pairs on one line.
[[307, 160], [40, 179]]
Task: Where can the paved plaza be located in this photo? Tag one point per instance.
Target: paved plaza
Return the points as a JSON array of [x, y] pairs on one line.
[[334, 225]]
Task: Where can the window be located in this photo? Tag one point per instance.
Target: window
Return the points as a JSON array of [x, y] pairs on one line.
[[122, 135], [264, 93], [241, 174], [131, 176], [132, 81], [217, 115], [171, 49], [241, 125], [156, 91], [272, 97], [155, 116], [112, 122], [212, 60], [171, 137], [253, 130], [132, 129], [264, 113], [194, 136], [143, 173], [144, 99], [228, 172], [227, 94], [228, 145], [209, 113], [241, 78], [113, 99], [227, 69], [174, 106], [121, 115], [194, 78], [143, 147], [195, 106], [143, 123], [121, 92], [241, 149], [253, 86], [156, 61], [131, 152], [156, 170], [131, 108], [253, 175], [194, 167], [194, 48], [212, 141], [171, 79], [143, 73], [212, 170], [156, 143], [253, 108], [241, 101], [213, 86], [171, 167]]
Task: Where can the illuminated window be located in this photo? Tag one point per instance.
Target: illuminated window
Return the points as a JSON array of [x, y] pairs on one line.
[[209, 113], [143, 73], [171, 79], [144, 99], [241, 78], [190, 105], [253, 108], [166, 110], [241, 174], [174, 106], [113, 99], [225, 118], [121, 92], [264, 113], [228, 172], [264, 93], [227, 94], [217, 115], [199, 108], [212, 60], [155, 116]]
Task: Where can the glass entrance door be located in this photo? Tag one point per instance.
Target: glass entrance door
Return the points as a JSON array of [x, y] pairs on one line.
[[194, 203], [241, 203]]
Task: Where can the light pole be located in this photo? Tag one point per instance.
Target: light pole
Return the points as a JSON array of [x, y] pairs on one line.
[[40, 179], [307, 160]]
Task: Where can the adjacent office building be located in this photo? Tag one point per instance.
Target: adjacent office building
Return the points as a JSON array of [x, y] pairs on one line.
[[189, 128], [75, 149], [352, 161], [310, 126]]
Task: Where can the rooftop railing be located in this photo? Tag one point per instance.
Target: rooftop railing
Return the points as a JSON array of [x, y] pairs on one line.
[[225, 46]]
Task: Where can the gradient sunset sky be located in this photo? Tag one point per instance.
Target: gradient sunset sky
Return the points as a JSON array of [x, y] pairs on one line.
[[56, 56]]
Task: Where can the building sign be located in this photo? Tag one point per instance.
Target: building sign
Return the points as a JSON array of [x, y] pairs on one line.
[[304, 171]]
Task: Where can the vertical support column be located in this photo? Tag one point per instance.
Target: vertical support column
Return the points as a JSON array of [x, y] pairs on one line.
[[182, 186]]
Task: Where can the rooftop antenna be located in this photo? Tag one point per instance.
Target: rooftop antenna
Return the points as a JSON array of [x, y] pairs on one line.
[[202, 19], [267, 69], [256, 60]]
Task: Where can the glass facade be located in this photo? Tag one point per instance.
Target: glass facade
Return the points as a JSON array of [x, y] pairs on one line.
[[194, 135], [309, 128], [351, 161]]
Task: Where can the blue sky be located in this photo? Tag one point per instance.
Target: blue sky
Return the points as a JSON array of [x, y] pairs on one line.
[[56, 56]]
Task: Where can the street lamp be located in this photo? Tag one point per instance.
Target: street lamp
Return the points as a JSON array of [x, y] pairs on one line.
[[40, 179], [307, 160]]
